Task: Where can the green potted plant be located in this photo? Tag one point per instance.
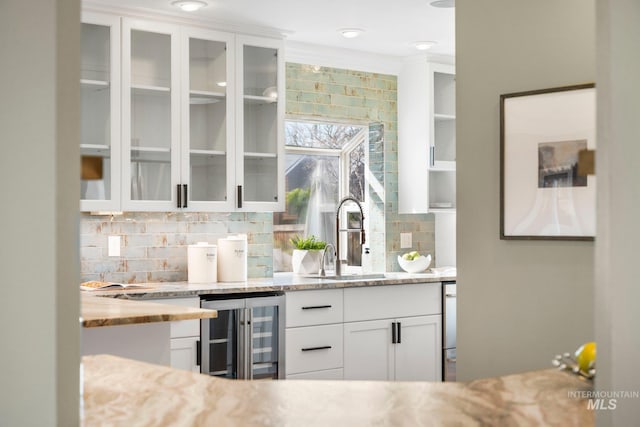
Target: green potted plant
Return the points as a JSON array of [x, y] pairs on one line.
[[307, 254]]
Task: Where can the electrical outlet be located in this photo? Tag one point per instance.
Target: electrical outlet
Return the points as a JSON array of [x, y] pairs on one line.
[[405, 240], [114, 245]]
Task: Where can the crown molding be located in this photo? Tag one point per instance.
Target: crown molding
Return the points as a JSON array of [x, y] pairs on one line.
[[326, 56], [182, 18]]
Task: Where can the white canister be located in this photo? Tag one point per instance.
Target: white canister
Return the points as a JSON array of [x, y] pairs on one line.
[[232, 259], [202, 263]]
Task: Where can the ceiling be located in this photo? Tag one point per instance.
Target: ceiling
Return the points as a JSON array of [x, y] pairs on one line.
[[391, 26]]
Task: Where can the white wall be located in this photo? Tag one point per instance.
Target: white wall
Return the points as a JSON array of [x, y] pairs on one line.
[[617, 291], [39, 171], [520, 302]]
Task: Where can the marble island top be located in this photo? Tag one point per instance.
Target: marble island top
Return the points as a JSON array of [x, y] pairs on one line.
[[123, 392], [281, 282], [97, 312]]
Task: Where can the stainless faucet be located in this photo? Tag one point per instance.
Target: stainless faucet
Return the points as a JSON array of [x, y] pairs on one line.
[[324, 252], [362, 237]]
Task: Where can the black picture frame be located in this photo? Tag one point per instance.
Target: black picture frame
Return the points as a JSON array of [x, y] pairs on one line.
[[541, 195]]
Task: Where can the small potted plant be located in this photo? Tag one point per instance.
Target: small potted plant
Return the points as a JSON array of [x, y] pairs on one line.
[[307, 254]]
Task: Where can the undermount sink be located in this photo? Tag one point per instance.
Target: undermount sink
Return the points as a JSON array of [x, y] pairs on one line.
[[347, 276]]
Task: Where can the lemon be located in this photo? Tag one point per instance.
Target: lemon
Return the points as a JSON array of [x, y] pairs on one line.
[[586, 356]]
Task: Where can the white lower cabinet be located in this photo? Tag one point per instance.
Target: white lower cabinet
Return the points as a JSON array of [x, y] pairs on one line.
[[313, 337], [313, 348], [372, 351], [366, 333], [185, 335], [367, 352], [184, 353], [393, 333]]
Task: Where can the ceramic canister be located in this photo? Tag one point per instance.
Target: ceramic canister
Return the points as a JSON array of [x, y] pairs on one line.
[[202, 263], [232, 259]]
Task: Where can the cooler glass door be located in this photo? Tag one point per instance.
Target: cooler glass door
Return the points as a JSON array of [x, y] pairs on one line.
[[265, 344], [223, 340]]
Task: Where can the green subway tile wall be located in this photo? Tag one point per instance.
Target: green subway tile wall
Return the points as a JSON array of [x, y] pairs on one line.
[[362, 97]]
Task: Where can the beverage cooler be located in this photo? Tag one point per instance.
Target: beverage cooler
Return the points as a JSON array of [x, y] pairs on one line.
[[246, 340]]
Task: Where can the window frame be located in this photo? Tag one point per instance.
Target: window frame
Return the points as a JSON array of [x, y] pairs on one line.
[[343, 154]]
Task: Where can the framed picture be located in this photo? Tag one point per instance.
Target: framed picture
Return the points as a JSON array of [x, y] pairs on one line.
[[542, 195]]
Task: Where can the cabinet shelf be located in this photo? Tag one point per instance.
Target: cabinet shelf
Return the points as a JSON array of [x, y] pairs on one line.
[[149, 90], [95, 150], [443, 117], [210, 153], [198, 97], [94, 84], [443, 166], [255, 155], [253, 99], [151, 154]]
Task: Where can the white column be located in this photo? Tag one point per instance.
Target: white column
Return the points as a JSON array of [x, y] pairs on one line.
[[617, 287], [39, 171]]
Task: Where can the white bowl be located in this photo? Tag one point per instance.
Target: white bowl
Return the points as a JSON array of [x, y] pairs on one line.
[[417, 265]]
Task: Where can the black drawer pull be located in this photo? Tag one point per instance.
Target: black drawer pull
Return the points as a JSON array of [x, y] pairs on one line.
[[324, 347], [313, 307]]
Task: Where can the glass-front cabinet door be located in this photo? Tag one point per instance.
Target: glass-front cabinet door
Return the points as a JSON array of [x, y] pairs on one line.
[[259, 131], [207, 119], [442, 165], [150, 116], [100, 113]]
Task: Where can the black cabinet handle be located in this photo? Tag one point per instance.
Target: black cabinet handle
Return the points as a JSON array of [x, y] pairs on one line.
[[179, 196], [399, 332], [239, 196], [393, 332], [314, 307], [324, 347], [198, 356], [186, 197]]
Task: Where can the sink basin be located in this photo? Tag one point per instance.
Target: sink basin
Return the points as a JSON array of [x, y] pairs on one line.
[[347, 276]]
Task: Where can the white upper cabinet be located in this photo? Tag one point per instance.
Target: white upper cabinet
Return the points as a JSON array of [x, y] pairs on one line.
[[426, 137], [150, 115], [260, 129], [100, 111], [208, 127], [195, 124]]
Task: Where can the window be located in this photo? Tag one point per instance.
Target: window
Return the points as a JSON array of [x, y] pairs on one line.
[[324, 163]]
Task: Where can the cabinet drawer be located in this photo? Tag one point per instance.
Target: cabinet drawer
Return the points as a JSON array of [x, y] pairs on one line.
[[329, 374], [318, 307], [183, 328], [383, 302], [313, 348]]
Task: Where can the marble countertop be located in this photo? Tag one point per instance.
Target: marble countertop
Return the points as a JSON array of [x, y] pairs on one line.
[[281, 282], [122, 392], [98, 312]]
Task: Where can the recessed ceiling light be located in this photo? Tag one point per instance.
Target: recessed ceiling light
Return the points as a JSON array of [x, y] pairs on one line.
[[350, 33], [189, 5], [443, 3], [424, 45]]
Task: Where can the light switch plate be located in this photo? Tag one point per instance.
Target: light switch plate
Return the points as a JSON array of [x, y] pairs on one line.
[[114, 245], [405, 240]]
